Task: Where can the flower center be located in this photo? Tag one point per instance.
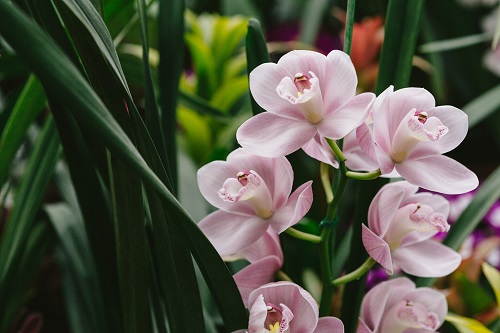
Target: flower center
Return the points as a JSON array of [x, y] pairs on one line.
[[414, 217], [416, 127], [304, 92], [277, 320], [249, 187]]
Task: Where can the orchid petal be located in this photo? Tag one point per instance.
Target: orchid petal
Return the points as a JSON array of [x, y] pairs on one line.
[[377, 248], [406, 99], [339, 123], [319, 149], [256, 274], [433, 300], [305, 61], [230, 233], [385, 162], [269, 135], [384, 206], [258, 314], [267, 245], [329, 325], [298, 205], [438, 173], [363, 328], [364, 138], [263, 82], [427, 259], [340, 80], [356, 157]]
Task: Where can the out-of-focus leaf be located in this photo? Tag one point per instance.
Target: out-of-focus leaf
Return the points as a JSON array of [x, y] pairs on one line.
[[240, 7], [53, 67], [401, 32], [196, 135], [29, 103], [256, 50], [466, 325], [483, 106], [29, 195], [493, 276], [474, 296], [454, 43], [230, 92], [11, 66], [80, 281], [200, 105], [488, 193], [204, 64], [496, 36], [311, 20]]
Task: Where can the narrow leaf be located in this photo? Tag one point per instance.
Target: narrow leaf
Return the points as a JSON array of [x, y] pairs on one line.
[[466, 325], [256, 50], [311, 20], [493, 276], [482, 106]]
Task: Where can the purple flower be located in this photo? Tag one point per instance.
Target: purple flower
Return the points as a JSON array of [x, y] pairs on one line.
[[396, 306], [408, 136], [309, 97], [252, 194], [401, 224], [286, 307]]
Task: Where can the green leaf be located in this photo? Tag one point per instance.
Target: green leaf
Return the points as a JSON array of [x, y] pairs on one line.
[[401, 32], [483, 106], [171, 41], [311, 20], [256, 50], [493, 276], [204, 64], [29, 195], [82, 294], [454, 43], [200, 105], [229, 93], [61, 77], [487, 194], [466, 325], [27, 107]]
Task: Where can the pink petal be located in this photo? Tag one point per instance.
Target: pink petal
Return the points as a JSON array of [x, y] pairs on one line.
[[341, 81], [406, 99], [357, 159], [426, 259], [436, 201], [297, 206], [230, 233], [384, 126], [319, 149], [269, 135], [381, 298], [377, 248], [300, 302], [364, 137], [363, 328], [339, 123], [263, 82], [432, 300], [456, 121], [438, 173], [384, 206], [267, 245], [256, 274], [385, 162], [258, 314], [329, 325], [305, 61]]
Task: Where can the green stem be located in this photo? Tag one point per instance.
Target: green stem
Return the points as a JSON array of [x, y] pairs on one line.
[[364, 175], [325, 181], [303, 235], [356, 274], [336, 149], [282, 276], [349, 23]]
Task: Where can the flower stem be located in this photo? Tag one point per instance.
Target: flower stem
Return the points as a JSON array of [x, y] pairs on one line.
[[325, 181], [303, 235], [349, 23], [356, 274], [363, 175], [336, 150]]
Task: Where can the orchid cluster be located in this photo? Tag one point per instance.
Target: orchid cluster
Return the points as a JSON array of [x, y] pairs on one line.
[[311, 104]]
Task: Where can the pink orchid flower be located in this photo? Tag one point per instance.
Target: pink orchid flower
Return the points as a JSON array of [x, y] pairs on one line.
[[396, 306], [265, 257], [401, 224], [308, 97], [286, 307], [252, 193], [408, 136]]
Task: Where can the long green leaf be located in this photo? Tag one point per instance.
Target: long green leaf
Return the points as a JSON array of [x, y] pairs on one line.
[[62, 77], [28, 198], [256, 50], [29, 103], [486, 196], [171, 41], [311, 20], [401, 32], [483, 106]]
